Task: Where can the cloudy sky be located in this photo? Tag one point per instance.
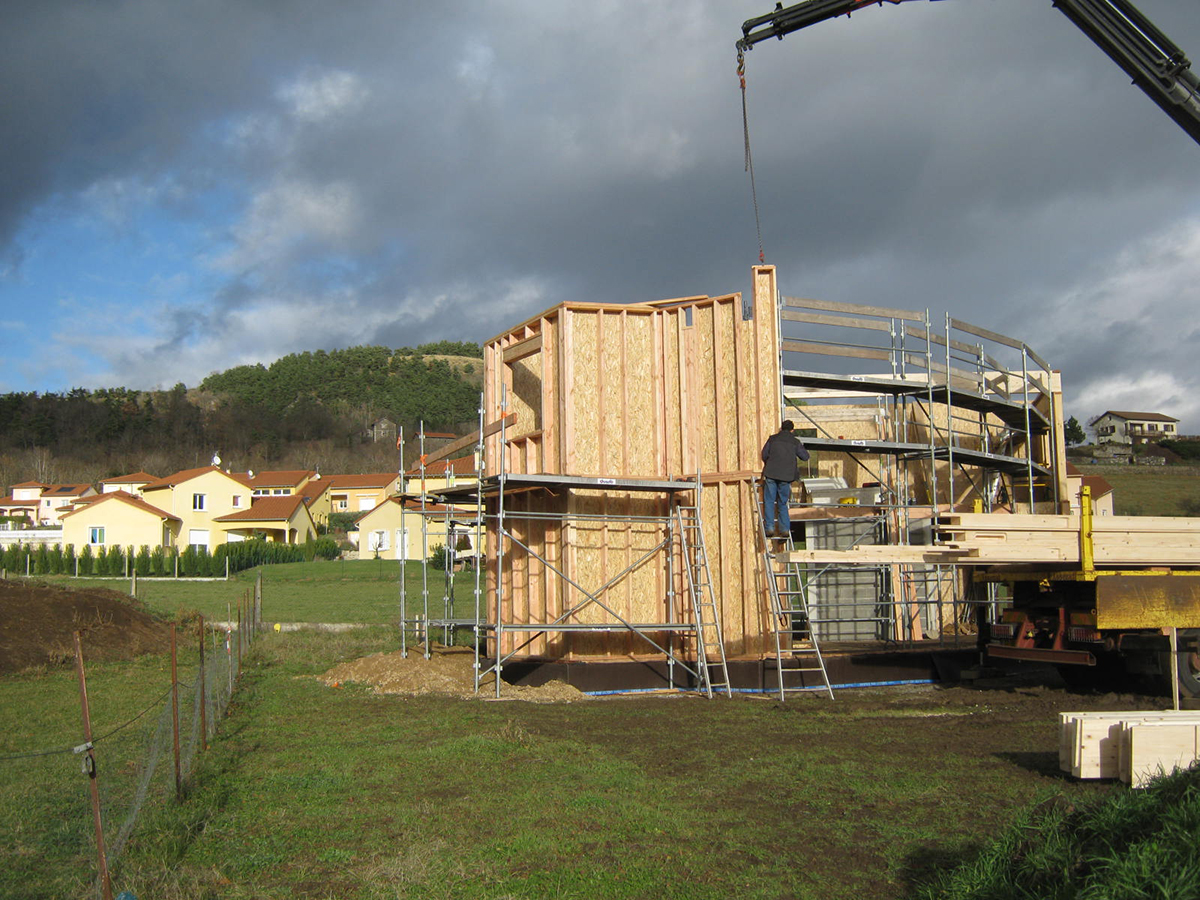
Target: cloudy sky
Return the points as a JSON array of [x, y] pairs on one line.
[[185, 187]]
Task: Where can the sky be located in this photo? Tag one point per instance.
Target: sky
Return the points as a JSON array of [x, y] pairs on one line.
[[186, 187]]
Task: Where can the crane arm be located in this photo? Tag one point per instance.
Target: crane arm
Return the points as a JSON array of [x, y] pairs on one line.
[[1117, 27]]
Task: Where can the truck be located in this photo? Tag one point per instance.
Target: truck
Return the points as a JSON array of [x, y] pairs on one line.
[[1109, 627]]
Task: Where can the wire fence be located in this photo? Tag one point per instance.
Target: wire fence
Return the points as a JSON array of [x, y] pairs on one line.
[[144, 763]]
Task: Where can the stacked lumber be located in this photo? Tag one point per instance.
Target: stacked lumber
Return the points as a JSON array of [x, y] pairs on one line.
[[1131, 746], [997, 538]]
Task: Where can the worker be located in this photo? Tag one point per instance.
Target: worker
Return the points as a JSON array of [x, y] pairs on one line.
[[780, 468]]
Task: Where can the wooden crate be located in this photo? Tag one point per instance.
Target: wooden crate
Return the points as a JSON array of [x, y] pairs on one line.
[[1101, 744], [1150, 748]]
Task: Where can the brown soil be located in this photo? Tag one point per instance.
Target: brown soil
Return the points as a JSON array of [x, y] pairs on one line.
[[449, 671], [38, 621]]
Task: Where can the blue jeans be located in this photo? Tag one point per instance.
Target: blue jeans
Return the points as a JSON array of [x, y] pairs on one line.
[[777, 496]]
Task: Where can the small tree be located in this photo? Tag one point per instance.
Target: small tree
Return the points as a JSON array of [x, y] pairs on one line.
[[41, 561], [1073, 432], [86, 560], [142, 566], [57, 560]]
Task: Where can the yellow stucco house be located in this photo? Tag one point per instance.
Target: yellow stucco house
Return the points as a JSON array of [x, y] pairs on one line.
[[360, 493], [119, 519], [198, 497], [393, 529], [285, 519]]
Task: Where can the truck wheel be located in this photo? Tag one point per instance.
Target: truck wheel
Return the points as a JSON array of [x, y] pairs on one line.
[[1189, 665]]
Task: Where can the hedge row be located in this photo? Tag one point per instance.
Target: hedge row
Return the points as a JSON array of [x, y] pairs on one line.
[[148, 562]]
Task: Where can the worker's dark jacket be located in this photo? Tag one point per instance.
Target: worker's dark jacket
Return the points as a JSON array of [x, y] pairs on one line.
[[780, 453]]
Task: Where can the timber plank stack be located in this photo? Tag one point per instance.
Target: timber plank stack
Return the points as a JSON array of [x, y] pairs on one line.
[[998, 538], [1131, 746]]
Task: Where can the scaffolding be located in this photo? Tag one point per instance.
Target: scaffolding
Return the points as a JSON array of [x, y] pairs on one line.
[[688, 635], [905, 422]]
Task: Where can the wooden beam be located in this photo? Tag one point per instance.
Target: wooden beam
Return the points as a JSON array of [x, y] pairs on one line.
[[469, 439], [522, 349]]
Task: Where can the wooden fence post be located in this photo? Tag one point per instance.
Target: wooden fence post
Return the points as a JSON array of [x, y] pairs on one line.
[[175, 715], [89, 765], [203, 693]]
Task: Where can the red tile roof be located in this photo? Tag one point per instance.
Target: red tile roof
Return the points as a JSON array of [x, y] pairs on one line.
[[180, 477], [282, 478], [464, 465], [374, 480], [133, 478], [120, 497], [266, 509]]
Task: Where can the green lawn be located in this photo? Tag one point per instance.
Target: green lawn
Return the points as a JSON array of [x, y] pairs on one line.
[[351, 591], [1149, 491], [315, 792]]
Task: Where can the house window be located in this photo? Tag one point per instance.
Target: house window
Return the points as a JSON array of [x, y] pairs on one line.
[[1168, 428], [341, 504], [96, 535], [198, 501], [237, 501]]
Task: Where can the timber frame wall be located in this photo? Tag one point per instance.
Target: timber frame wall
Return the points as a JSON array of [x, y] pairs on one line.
[[674, 389]]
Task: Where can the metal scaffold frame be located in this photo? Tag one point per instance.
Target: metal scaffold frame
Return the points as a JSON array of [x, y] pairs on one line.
[[691, 612], [938, 420]]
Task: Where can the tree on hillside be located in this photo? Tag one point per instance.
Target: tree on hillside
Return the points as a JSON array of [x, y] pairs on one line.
[[1073, 432]]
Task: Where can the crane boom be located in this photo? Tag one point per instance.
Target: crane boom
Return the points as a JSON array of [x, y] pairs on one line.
[[1117, 27]]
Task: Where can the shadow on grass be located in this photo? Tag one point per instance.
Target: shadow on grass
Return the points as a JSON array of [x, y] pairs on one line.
[[1039, 762], [924, 867]]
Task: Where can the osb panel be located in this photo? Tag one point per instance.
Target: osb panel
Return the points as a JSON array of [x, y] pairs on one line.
[[611, 412], [640, 380], [582, 399], [702, 390], [525, 394]]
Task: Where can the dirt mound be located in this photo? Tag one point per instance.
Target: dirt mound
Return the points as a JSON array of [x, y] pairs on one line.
[[37, 621], [449, 671]]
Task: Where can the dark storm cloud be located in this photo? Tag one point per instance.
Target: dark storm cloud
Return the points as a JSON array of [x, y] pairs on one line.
[[423, 174]]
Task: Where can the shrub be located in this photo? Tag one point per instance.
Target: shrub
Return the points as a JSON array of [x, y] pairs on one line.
[[142, 565], [116, 561], [41, 560], [57, 560], [187, 562], [86, 561]]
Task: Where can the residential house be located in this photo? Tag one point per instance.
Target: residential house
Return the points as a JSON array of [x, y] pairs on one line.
[[360, 493], [404, 528], [278, 484], [18, 505], [117, 518], [49, 501], [381, 430], [130, 484], [199, 497], [315, 492], [1102, 491], [284, 519], [442, 474], [1124, 427]]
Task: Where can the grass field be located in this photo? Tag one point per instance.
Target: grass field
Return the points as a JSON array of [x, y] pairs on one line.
[[352, 591], [1148, 491], [314, 792]]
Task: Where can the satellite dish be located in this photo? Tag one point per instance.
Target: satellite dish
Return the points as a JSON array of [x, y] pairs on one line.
[[216, 460], [316, 476], [249, 473]]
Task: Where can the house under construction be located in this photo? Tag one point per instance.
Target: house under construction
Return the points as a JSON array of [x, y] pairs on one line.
[[620, 482]]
